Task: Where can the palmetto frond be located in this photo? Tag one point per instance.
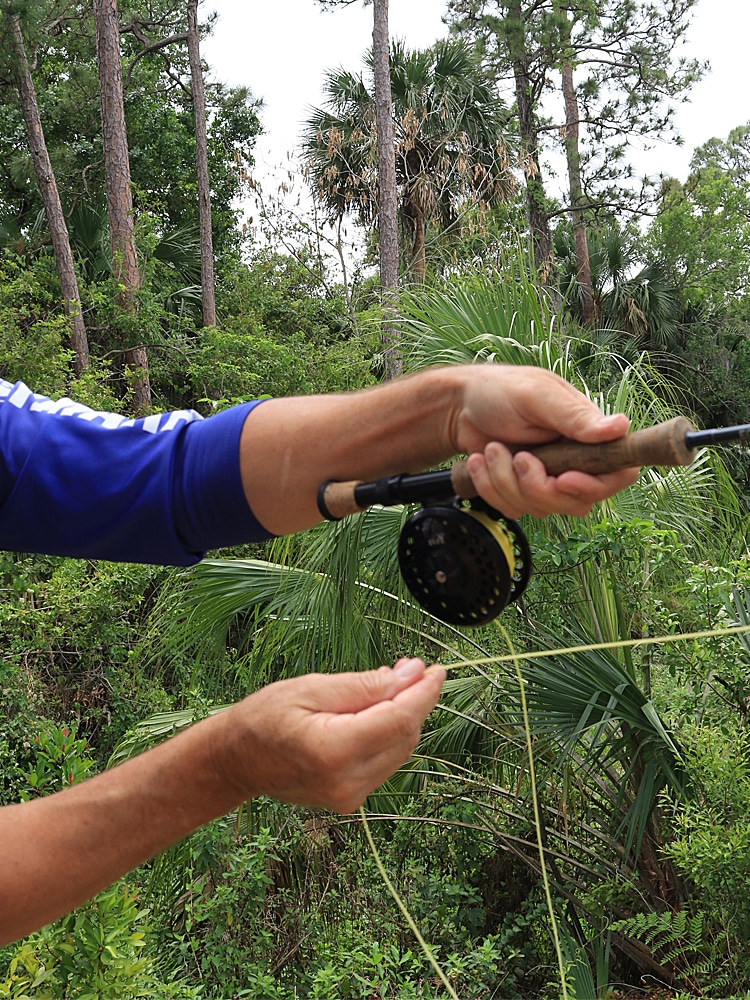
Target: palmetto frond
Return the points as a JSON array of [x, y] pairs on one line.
[[450, 130], [602, 755], [488, 317], [335, 603]]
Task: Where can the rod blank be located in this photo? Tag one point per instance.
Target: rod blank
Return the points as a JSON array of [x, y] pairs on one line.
[[719, 435]]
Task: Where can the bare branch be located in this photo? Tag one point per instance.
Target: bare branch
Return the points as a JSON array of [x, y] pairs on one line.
[[150, 47]]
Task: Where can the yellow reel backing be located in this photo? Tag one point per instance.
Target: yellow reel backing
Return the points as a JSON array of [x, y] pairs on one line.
[[464, 564]]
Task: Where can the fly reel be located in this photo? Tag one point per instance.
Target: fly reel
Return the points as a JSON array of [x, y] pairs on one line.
[[461, 560], [464, 564]]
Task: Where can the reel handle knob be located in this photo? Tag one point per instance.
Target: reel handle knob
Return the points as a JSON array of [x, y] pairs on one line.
[[662, 444]]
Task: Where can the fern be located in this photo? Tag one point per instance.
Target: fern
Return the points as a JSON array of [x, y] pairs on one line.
[[680, 940]]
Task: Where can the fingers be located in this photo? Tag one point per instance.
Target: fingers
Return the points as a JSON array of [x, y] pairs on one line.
[[528, 405], [564, 409], [396, 718], [391, 722], [328, 740], [519, 484], [354, 692], [377, 741]]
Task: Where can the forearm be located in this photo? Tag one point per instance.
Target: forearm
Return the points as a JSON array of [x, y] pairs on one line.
[[324, 741], [61, 850], [290, 446]]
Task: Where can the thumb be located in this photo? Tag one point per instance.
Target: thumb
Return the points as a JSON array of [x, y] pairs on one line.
[[606, 428], [355, 692], [577, 418]]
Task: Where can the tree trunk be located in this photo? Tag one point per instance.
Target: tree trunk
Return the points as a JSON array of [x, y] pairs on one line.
[[208, 284], [51, 199], [577, 200], [387, 193], [418, 255], [541, 238], [117, 180]]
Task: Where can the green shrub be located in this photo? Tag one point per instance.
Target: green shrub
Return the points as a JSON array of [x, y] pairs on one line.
[[69, 629], [61, 761], [233, 362], [304, 912], [711, 833], [34, 332], [98, 952]]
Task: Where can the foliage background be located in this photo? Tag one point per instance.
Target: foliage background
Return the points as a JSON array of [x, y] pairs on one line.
[[642, 757]]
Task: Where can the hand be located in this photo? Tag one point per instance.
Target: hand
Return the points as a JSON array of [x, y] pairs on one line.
[[290, 446], [327, 741], [317, 740], [525, 405]]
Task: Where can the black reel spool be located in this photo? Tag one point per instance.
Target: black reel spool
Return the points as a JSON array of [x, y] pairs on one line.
[[464, 564]]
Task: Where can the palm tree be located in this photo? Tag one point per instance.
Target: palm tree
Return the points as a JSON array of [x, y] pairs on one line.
[[632, 299], [450, 145]]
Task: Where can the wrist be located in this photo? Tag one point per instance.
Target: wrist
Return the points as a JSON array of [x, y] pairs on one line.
[[439, 403], [234, 757]]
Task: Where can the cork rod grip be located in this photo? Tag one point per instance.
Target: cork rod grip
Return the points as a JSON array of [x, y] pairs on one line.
[[337, 500], [662, 444]]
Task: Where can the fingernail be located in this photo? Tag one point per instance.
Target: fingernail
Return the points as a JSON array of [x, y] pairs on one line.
[[409, 668], [521, 465], [570, 492], [612, 418]]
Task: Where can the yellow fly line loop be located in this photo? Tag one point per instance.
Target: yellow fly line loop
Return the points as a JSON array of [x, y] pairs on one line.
[[617, 644], [516, 658]]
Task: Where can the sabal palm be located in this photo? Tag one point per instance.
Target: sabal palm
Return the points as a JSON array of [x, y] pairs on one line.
[[450, 133], [636, 302]]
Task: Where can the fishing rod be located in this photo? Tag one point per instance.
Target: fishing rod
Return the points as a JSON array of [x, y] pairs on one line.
[[461, 559]]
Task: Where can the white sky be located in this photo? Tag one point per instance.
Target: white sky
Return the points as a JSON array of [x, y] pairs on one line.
[[281, 51]]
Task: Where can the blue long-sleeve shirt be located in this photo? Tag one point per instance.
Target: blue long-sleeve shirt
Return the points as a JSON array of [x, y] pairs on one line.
[[162, 489]]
